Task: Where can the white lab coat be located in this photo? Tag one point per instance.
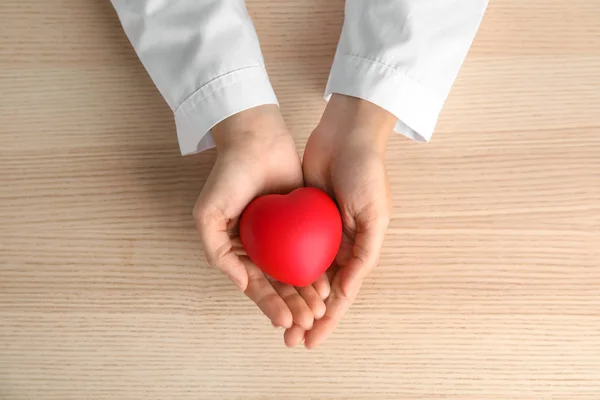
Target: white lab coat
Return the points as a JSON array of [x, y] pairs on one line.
[[204, 56]]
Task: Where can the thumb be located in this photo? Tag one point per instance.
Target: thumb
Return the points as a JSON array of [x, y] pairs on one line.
[[211, 223], [365, 254]]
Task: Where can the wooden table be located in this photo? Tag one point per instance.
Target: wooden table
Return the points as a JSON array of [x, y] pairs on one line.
[[489, 282]]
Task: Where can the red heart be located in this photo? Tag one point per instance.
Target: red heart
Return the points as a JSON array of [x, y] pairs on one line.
[[293, 238]]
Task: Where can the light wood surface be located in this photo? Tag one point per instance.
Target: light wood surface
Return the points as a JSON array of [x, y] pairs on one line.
[[489, 282]]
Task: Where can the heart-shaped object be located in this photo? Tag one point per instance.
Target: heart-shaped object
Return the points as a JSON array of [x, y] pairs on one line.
[[294, 237]]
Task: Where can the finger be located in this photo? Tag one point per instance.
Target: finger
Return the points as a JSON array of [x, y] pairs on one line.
[[336, 306], [365, 253], [301, 313], [212, 225], [347, 281], [313, 300], [322, 286], [293, 336], [261, 292]]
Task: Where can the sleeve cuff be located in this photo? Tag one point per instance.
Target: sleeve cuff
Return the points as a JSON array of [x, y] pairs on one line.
[[220, 98], [416, 108]]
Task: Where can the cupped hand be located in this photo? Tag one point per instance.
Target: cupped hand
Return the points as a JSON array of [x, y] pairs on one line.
[[344, 156], [256, 155]]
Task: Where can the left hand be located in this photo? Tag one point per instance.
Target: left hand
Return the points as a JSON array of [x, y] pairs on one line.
[[255, 155], [344, 157]]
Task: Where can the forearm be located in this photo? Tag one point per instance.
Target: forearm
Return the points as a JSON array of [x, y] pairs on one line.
[[404, 56], [358, 120], [204, 57], [250, 129]]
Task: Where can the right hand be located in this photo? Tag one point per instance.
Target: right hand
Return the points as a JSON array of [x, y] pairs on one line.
[[344, 156], [256, 155]]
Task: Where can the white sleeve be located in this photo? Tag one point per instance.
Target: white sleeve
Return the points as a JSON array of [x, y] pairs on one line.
[[404, 56], [203, 56]]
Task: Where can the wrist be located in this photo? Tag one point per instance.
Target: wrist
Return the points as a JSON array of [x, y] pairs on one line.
[[252, 128], [357, 119]]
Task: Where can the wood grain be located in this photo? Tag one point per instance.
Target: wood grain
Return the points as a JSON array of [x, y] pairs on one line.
[[489, 282]]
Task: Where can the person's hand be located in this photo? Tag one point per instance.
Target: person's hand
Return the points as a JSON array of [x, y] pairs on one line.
[[344, 156], [255, 155]]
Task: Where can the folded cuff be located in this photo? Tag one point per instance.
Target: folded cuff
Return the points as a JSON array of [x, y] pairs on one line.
[[220, 98], [416, 108]]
